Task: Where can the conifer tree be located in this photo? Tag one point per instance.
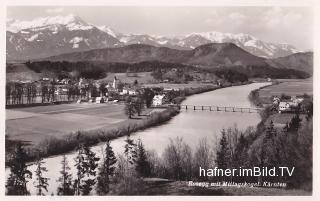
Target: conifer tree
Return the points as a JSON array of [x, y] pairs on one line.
[[86, 163], [41, 182], [106, 170], [130, 151], [294, 124], [223, 154], [17, 181], [65, 179], [142, 164]]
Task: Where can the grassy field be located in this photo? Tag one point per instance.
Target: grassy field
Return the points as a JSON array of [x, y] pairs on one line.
[[289, 87], [33, 124], [142, 77], [178, 86], [20, 72]]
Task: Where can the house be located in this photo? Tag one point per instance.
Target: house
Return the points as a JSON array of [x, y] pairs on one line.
[[157, 100], [100, 100], [132, 92], [129, 91], [285, 106]]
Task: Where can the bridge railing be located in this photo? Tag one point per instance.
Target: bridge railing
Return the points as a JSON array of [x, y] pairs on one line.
[[220, 108]]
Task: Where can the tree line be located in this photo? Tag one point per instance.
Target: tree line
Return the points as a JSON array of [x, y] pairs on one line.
[[91, 173]]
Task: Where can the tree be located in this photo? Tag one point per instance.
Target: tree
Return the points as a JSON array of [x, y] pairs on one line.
[[130, 151], [86, 163], [41, 182], [17, 181], [65, 179], [129, 108], [138, 105], [223, 154], [178, 159], [294, 124], [148, 95], [106, 170], [202, 156], [142, 164]]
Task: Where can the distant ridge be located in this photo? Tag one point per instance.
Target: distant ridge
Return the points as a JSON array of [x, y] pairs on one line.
[[209, 55]]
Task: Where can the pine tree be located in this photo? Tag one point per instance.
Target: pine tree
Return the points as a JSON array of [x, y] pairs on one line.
[[223, 154], [65, 180], [271, 131], [17, 181], [86, 163], [106, 170], [129, 108], [130, 151], [142, 164], [294, 124], [41, 182], [148, 97]]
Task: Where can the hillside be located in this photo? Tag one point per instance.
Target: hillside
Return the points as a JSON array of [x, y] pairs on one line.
[[209, 55], [299, 61]]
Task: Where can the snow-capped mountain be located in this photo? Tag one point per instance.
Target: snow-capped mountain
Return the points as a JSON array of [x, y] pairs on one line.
[[246, 42], [47, 36], [191, 41], [54, 35]]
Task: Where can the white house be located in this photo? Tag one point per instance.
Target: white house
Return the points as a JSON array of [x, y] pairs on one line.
[[285, 106], [157, 100], [132, 92]]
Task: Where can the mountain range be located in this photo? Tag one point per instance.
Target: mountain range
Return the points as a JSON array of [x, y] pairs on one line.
[[49, 36]]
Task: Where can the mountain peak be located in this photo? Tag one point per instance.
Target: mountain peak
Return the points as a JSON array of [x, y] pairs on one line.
[[109, 30], [70, 21]]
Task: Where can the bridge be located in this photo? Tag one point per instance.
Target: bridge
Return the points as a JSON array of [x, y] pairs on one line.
[[220, 108]]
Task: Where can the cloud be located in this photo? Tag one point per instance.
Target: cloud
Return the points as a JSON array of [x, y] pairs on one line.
[[55, 10]]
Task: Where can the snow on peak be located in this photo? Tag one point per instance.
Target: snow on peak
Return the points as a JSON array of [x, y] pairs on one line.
[[108, 30], [71, 21], [222, 37]]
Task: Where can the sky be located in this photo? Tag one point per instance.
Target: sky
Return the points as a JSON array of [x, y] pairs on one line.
[[292, 25]]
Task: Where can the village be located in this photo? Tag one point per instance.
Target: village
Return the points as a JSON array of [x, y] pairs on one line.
[[57, 91]]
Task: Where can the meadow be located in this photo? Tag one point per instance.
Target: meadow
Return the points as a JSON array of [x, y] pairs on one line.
[[34, 124], [292, 87]]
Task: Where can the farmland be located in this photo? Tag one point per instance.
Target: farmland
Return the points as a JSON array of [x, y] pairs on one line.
[[288, 87], [34, 124], [141, 77]]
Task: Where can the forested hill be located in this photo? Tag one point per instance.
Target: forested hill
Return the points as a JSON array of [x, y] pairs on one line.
[[209, 55]]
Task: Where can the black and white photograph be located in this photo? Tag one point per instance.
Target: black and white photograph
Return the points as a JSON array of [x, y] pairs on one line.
[[124, 100]]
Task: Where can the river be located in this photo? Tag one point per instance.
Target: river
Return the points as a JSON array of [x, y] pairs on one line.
[[190, 125]]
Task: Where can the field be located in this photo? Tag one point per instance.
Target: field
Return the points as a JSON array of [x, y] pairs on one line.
[[33, 124], [178, 86], [20, 72], [142, 77], [289, 87]]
